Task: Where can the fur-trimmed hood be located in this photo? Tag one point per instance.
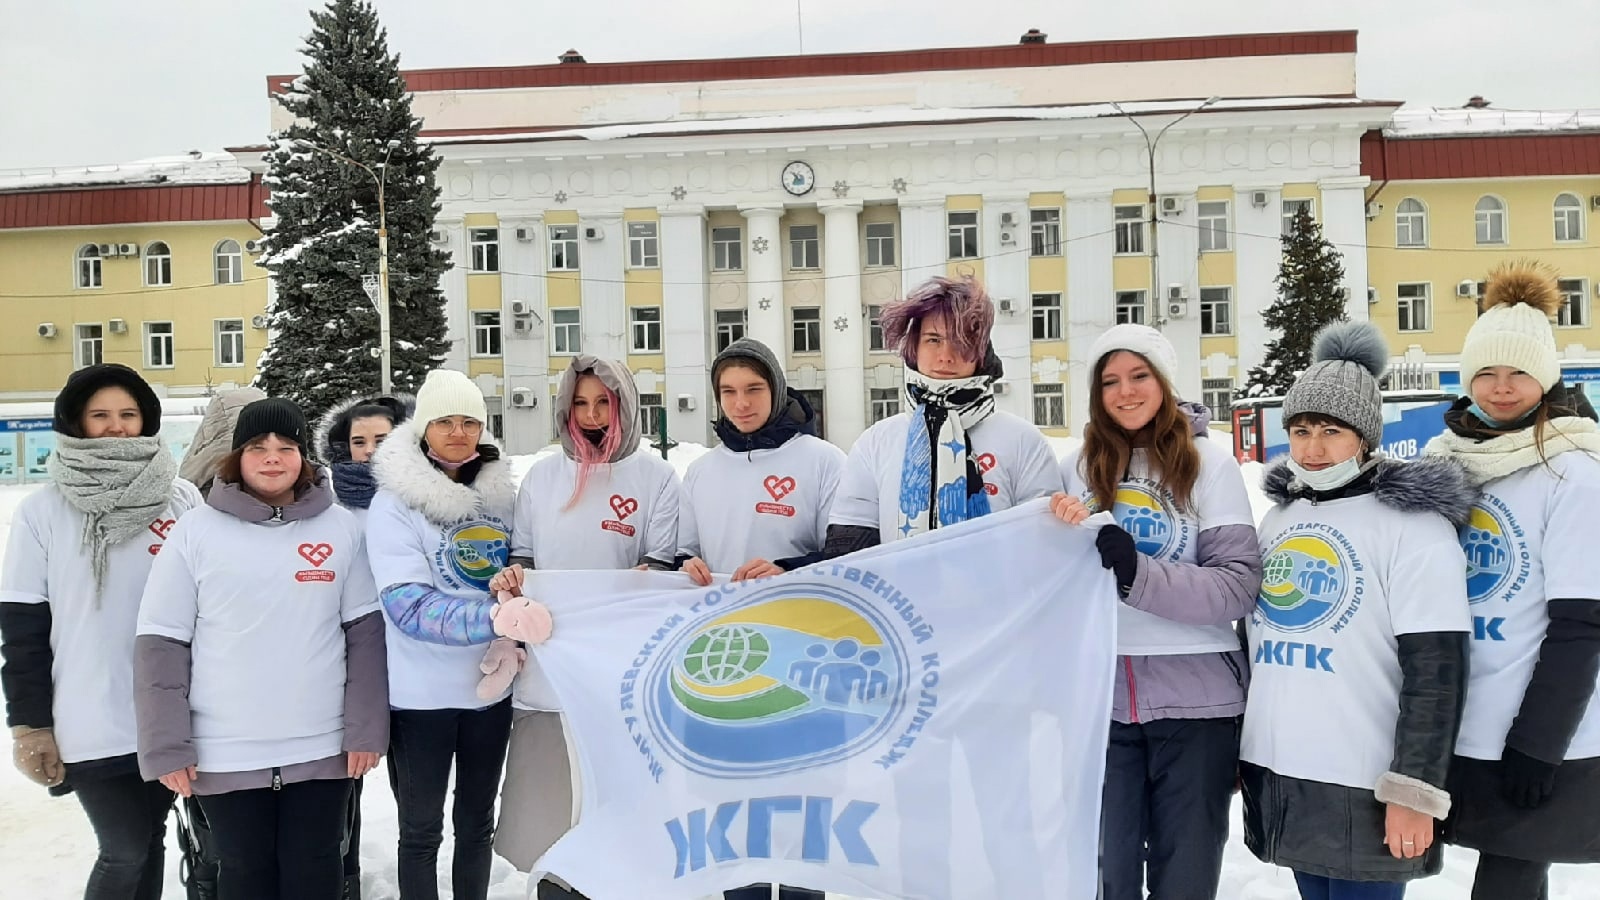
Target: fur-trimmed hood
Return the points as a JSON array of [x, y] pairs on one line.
[[403, 468], [337, 419], [1429, 484]]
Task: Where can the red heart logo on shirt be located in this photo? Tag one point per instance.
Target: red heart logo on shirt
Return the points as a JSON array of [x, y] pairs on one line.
[[162, 526], [623, 506], [986, 461], [316, 554], [779, 488]]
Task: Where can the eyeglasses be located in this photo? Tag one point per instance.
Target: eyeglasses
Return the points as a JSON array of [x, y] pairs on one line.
[[451, 426]]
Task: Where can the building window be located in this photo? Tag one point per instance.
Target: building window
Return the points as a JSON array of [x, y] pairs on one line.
[[1569, 218], [486, 333], [1217, 395], [1216, 310], [1574, 311], [1130, 229], [157, 264], [646, 328], [1410, 223], [1049, 406], [1213, 219], [1291, 211], [1045, 225], [882, 403], [1130, 308], [730, 327], [88, 266], [807, 329], [875, 328], [158, 345], [89, 345], [805, 249], [563, 248], [963, 227], [230, 342], [566, 328], [727, 249], [1047, 317], [644, 246], [1413, 303], [485, 249], [650, 407], [1490, 218], [816, 400], [227, 263], [880, 243]]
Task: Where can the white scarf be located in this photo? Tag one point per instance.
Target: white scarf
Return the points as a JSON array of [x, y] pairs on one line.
[[120, 485], [951, 408], [1499, 456]]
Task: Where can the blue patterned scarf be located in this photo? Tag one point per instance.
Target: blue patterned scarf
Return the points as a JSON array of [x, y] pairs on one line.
[[939, 480]]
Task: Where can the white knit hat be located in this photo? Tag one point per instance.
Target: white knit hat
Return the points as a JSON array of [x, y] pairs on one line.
[[446, 392], [1514, 328], [1143, 340]]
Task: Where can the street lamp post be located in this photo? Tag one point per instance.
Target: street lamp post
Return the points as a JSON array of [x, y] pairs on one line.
[[385, 350], [1150, 154]]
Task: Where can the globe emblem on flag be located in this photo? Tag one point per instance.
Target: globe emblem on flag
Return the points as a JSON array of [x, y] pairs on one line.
[[1304, 582], [476, 551], [1485, 540], [1147, 516], [795, 677]]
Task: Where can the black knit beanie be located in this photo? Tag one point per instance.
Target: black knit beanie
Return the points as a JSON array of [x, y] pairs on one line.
[[274, 415], [82, 384]]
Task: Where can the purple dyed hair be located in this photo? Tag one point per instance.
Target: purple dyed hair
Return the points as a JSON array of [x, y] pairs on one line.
[[961, 301]]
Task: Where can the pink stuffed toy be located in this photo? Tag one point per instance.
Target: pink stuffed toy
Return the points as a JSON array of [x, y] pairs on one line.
[[499, 667], [521, 619]]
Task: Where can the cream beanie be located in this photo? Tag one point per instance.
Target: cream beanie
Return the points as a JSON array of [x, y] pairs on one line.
[[1141, 339], [1514, 327], [446, 392]]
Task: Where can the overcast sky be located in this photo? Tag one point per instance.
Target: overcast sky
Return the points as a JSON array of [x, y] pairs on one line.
[[92, 81]]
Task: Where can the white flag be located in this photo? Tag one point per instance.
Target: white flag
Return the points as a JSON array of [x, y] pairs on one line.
[[925, 719]]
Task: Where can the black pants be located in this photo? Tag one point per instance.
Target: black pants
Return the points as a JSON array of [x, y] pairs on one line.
[[280, 844], [1504, 878], [1165, 812], [764, 892], [352, 853], [423, 744], [129, 818]]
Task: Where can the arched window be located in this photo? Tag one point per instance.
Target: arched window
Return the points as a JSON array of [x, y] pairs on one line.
[[229, 265], [1410, 223], [157, 264], [88, 264], [1569, 218], [1490, 218]]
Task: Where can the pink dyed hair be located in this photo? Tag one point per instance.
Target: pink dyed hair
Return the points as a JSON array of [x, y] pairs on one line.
[[587, 455], [962, 301]]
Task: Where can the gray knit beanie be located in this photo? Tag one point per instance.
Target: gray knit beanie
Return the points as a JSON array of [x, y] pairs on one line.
[[1341, 383]]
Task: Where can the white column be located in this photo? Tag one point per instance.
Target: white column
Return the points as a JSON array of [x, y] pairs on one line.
[[457, 321], [843, 346], [763, 266], [924, 249], [524, 327], [684, 322], [1259, 247], [1090, 304], [1344, 224], [1005, 247], [1179, 265], [600, 258]]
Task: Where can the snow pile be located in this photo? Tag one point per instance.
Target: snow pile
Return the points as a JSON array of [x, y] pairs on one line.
[[1434, 121], [195, 167]]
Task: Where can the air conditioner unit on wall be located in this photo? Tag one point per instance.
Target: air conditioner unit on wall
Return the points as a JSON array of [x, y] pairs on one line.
[[119, 326], [525, 234], [437, 236], [1007, 305], [593, 232], [1594, 201], [685, 403], [1171, 206], [1007, 237], [47, 329], [521, 308], [254, 246], [524, 398], [107, 249], [1002, 387], [1174, 292], [1258, 199], [258, 321], [128, 249], [1374, 208], [521, 325], [1467, 288], [1372, 294], [1007, 218], [1177, 309]]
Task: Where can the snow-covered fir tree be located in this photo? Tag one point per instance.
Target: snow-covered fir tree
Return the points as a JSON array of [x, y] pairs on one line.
[[352, 104], [1310, 295]]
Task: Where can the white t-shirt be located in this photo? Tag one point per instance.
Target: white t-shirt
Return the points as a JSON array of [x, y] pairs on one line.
[[629, 510], [263, 608], [1343, 579], [1530, 541], [92, 641], [1162, 531], [767, 504], [1012, 455]]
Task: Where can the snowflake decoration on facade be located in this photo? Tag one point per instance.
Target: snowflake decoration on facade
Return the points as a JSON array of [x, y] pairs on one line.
[[899, 185], [842, 323], [561, 196], [841, 189], [678, 193], [765, 303], [759, 245]]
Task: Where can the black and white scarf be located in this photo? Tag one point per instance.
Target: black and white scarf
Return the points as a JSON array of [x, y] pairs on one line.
[[939, 480]]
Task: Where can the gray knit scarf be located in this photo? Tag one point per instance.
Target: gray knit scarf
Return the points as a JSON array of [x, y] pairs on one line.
[[120, 485]]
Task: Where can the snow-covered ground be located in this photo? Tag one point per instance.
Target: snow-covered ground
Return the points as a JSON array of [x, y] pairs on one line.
[[47, 849]]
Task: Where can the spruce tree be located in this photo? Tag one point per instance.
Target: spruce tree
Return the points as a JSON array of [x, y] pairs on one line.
[[1310, 295], [351, 101]]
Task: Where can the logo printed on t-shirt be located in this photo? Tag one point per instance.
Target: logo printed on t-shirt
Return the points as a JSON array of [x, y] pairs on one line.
[[986, 461], [623, 507], [160, 528], [1144, 510], [1491, 540], [778, 487], [316, 554]]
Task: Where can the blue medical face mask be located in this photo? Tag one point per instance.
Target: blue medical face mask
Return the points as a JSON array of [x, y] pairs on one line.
[[1478, 412]]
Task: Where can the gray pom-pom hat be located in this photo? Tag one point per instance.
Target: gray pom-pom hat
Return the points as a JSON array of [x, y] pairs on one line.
[[1347, 359]]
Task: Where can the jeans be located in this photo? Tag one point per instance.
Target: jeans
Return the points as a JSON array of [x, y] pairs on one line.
[[1316, 887], [764, 892], [129, 818], [280, 844], [423, 745]]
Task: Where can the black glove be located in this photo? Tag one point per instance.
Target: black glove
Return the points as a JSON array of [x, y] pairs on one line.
[[1118, 553], [1524, 781]]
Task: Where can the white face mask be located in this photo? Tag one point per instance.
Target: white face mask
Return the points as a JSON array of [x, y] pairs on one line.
[[1333, 477]]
